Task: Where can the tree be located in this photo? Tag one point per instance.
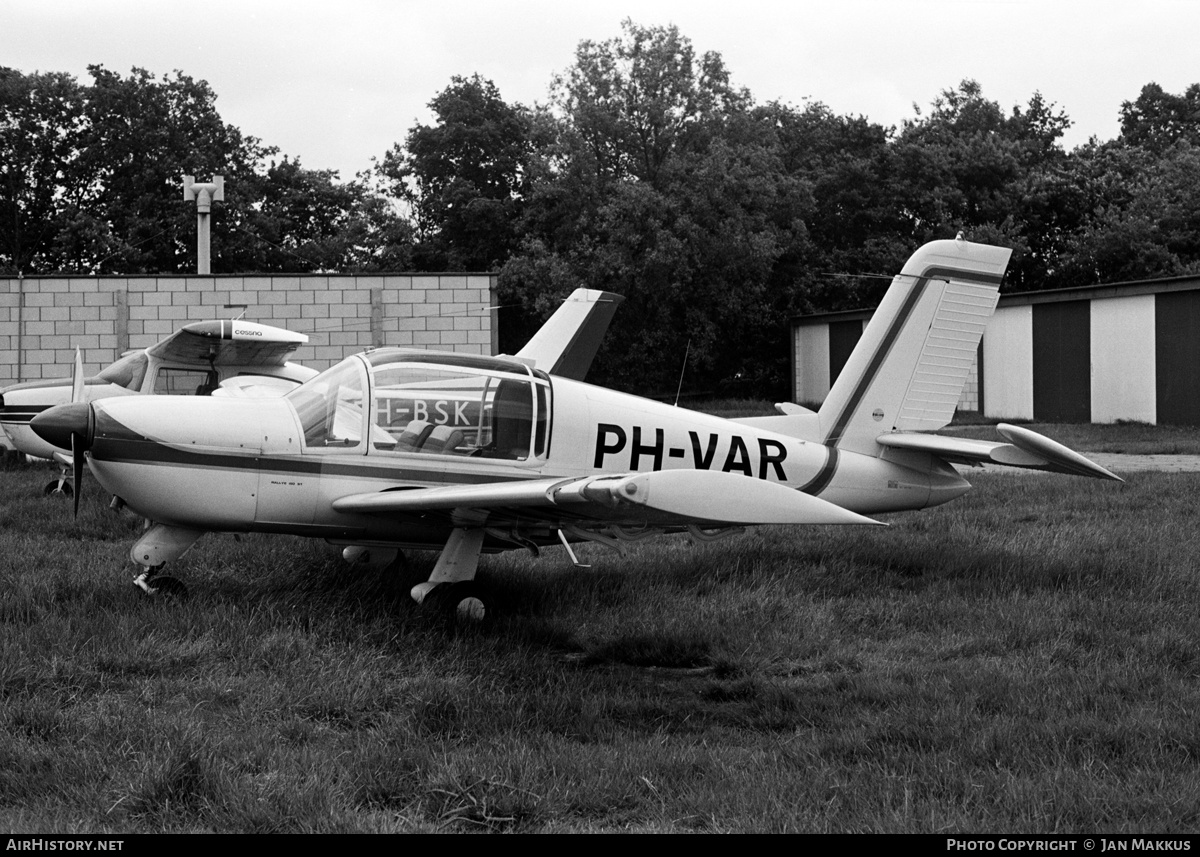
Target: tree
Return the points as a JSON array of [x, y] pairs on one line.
[[294, 219], [855, 224], [969, 167], [144, 136], [90, 182], [42, 124], [662, 184], [1144, 215], [463, 177], [637, 100], [1157, 120]]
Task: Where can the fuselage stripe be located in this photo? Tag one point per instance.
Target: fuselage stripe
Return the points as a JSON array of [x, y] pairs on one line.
[[152, 453], [21, 414], [825, 475]]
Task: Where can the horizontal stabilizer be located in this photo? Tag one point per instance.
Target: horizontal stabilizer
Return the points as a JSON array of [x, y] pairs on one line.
[[793, 420], [1058, 457], [792, 408], [1026, 449]]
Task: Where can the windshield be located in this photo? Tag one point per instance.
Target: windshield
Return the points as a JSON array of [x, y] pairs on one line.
[[128, 372], [330, 407]]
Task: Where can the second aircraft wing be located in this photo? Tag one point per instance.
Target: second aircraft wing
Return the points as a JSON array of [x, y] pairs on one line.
[[228, 343]]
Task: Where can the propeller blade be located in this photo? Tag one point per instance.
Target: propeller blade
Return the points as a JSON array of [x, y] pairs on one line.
[[77, 378], [77, 449]]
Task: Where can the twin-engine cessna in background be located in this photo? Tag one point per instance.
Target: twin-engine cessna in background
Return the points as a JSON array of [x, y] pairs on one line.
[[233, 357], [398, 448]]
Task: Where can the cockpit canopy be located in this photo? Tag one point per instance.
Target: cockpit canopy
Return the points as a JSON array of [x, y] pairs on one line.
[[394, 401]]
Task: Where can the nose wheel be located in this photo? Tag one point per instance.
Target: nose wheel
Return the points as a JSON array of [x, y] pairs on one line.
[[60, 488], [162, 586]]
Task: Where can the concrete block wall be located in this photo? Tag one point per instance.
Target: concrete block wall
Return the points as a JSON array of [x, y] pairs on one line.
[[968, 400], [44, 319]]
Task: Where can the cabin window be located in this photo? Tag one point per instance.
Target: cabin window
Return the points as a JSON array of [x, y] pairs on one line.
[[184, 382], [451, 410]]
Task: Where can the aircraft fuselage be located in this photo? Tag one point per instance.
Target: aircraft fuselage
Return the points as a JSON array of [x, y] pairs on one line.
[[238, 465]]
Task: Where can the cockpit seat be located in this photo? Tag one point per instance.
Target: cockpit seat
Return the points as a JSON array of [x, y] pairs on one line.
[[443, 439], [414, 434]]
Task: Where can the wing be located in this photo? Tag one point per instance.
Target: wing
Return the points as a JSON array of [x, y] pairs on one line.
[[1025, 448], [255, 387], [661, 498], [228, 343]]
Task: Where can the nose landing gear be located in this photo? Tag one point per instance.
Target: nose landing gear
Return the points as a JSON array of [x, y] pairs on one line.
[[161, 585]]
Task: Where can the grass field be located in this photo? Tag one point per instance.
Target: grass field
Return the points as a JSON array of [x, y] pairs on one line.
[[1024, 659]]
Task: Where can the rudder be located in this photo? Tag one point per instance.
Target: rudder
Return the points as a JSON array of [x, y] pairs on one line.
[[908, 369]]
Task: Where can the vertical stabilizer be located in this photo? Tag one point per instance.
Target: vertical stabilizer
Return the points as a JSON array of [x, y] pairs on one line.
[[908, 369], [567, 343]]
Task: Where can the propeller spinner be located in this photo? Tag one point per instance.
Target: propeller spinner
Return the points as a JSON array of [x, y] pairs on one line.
[[70, 426]]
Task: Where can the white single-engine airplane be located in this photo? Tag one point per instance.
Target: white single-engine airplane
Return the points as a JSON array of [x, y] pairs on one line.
[[230, 357], [399, 448]]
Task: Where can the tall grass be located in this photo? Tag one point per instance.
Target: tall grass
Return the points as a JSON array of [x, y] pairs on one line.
[[1023, 659]]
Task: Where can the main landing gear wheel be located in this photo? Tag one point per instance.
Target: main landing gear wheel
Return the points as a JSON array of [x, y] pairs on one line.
[[462, 603], [59, 488]]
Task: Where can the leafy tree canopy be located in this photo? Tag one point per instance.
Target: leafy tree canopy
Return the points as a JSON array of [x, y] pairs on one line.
[[648, 173], [90, 182], [1156, 120], [464, 177]]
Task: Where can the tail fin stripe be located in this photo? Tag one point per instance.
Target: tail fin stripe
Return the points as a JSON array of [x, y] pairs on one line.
[[897, 325], [910, 302]]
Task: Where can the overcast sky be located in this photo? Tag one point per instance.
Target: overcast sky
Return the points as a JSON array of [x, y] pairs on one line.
[[335, 84]]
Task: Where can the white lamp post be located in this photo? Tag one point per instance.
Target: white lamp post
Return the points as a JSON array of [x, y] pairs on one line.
[[205, 195]]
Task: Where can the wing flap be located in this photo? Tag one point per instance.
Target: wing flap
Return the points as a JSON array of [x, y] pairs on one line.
[[665, 496], [728, 498], [500, 495], [1025, 448]]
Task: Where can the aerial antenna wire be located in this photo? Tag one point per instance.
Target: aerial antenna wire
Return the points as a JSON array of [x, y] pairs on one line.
[[682, 369]]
